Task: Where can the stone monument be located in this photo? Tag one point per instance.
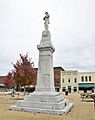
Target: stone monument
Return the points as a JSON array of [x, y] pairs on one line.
[[44, 99]]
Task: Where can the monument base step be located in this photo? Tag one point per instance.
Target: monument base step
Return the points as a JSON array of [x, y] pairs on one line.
[[65, 110], [50, 102], [43, 105], [44, 97]]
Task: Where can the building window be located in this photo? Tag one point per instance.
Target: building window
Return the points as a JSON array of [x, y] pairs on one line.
[[85, 78], [63, 89], [56, 73], [57, 81], [82, 78], [63, 80], [89, 78], [75, 89], [69, 80], [57, 89], [69, 89], [75, 80]]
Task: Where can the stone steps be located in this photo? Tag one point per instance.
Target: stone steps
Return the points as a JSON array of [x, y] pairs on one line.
[[65, 110]]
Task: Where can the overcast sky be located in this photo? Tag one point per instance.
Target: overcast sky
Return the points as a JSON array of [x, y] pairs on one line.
[[72, 27]]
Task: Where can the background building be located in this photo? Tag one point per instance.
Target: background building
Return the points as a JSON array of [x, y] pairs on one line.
[[2, 80], [74, 81], [69, 81], [57, 78], [86, 81]]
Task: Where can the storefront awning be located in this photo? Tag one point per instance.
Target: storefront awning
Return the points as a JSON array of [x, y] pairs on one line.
[[86, 85]]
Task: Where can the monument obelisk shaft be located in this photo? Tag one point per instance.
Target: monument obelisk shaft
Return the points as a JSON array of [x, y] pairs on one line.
[[45, 78]]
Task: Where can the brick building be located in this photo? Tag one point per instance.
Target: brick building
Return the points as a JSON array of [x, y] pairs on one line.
[[2, 79], [57, 78]]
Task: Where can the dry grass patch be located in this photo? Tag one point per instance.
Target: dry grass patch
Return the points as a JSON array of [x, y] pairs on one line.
[[80, 111]]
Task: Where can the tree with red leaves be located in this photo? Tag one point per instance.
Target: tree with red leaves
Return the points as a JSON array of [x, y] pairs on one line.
[[24, 73], [9, 82]]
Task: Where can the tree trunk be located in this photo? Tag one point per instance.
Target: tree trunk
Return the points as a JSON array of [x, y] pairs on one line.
[[24, 90], [17, 87]]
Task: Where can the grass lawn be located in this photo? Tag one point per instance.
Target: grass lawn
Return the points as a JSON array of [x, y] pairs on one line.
[[81, 111]]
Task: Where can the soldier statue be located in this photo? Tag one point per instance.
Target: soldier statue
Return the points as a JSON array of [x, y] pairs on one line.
[[46, 19]]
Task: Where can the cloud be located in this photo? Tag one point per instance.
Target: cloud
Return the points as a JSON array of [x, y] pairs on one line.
[[72, 27]]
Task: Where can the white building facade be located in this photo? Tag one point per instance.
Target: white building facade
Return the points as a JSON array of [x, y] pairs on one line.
[[74, 81]]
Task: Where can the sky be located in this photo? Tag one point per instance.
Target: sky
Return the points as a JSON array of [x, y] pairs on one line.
[[72, 28]]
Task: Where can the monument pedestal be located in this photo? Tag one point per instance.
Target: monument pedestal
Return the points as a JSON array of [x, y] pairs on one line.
[[51, 103], [44, 99]]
